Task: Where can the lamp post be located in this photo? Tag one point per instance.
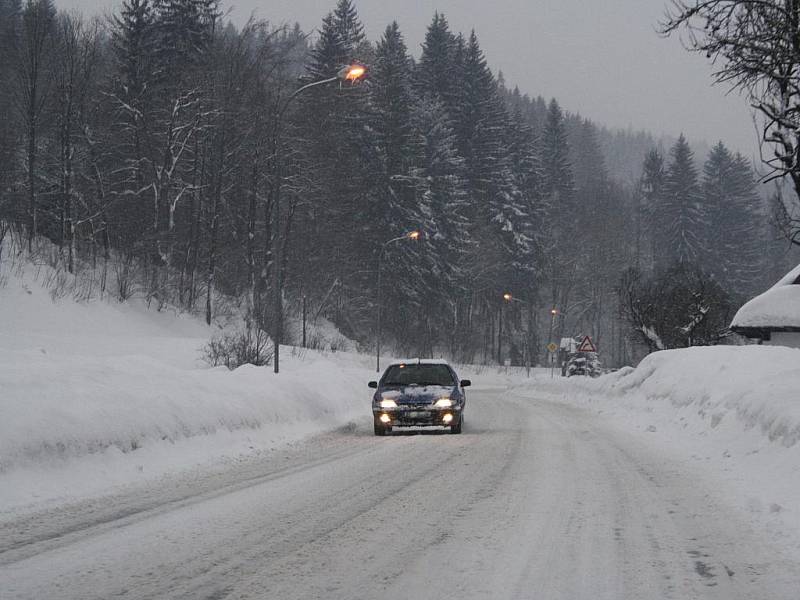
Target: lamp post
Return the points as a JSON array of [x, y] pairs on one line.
[[509, 298], [350, 73], [553, 314], [411, 235]]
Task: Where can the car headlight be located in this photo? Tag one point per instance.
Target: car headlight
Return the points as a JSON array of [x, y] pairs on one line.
[[388, 403], [443, 403]]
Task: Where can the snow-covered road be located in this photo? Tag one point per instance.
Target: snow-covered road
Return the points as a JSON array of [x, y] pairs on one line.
[[534, 500]]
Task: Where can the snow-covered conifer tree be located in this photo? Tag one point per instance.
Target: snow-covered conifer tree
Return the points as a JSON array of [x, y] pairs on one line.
[[681, 213]]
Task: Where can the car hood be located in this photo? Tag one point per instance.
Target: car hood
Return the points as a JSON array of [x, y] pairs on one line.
[[417, 394]]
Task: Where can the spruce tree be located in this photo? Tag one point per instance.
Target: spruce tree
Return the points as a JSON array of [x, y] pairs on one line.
[[334, 134], [500, 212], [558, 189], [350, 32], [390, 97], [680, 212], [325, 57], [434, 73], [731, 234], [652, 194], [557, 178], [395, 209], [745, 231], [185, 30], [438, 174]]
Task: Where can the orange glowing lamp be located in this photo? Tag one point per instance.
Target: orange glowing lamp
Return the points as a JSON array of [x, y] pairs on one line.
[[354, 73]]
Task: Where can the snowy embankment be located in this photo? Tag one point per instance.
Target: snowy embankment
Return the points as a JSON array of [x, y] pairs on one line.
[[733, 409], [99, 393], [733, 388]]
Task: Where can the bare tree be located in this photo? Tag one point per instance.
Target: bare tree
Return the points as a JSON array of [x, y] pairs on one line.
[[755, 46], [76, 59], [34, 53]]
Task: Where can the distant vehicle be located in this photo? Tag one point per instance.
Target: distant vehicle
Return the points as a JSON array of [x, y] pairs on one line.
[[583, 363], [418, 394]]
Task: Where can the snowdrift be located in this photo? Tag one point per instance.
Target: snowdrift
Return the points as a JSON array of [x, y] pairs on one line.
[[61, 407], [731, 411], [750, 388], [97, 393]]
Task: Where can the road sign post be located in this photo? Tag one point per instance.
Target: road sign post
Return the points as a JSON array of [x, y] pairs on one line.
[[552, 347], [587, 345]]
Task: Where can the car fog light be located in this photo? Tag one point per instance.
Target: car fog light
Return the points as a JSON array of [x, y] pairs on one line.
[[385, 418], [447, 418]]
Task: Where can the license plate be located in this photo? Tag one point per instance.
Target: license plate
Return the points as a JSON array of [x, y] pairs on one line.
[[417, 415]]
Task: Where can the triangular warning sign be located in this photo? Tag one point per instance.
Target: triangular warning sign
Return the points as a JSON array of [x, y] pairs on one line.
[[587, 345]]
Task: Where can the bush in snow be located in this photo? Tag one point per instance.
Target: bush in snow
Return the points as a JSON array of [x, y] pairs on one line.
[[677, 308], [247, 346]]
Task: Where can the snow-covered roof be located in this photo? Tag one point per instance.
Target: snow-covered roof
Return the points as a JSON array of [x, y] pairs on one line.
[[777, 308]]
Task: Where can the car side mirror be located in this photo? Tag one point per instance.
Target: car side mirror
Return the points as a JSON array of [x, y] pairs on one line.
[[373, 384], [466, 383]]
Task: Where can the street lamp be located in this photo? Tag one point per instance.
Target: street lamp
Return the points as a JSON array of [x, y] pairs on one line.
[[553, 314], [411, 235], [508, 297], [351, 73]]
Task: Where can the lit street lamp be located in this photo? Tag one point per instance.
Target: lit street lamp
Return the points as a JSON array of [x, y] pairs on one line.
[[510, 298], [351, 73], [506, 298], [554, 314], [411, 235]]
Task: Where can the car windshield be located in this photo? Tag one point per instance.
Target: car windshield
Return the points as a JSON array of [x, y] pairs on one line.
[[418, 375]]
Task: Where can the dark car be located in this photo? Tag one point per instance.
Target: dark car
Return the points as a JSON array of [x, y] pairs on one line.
[[418, 394]]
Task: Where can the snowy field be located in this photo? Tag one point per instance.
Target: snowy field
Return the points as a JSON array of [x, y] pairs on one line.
[[102, 396]]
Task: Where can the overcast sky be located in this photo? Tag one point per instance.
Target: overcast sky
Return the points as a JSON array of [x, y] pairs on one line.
[[602, 58]]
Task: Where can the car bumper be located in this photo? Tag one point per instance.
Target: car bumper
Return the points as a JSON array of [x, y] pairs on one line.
[[419, 416]]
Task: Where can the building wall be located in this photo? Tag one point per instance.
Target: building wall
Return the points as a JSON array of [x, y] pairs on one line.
[[792, 339]]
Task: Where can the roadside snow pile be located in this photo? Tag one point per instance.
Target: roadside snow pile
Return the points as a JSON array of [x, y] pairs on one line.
[[749, 387], [109, 390], [732, 410], [57, 407]]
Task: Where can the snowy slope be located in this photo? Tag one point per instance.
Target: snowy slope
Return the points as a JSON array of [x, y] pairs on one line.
[[98, 393]]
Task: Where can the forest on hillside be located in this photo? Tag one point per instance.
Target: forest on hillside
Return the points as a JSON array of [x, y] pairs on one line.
[[194, 155]]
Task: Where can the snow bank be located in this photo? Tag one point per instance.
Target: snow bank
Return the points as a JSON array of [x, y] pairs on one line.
[[733, 411], [749, 387], [60, 407], [99, 393]]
